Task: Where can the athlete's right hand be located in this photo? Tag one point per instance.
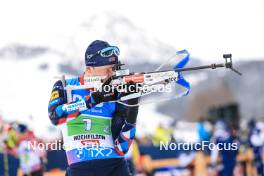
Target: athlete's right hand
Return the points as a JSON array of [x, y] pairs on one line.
[[107, 93]]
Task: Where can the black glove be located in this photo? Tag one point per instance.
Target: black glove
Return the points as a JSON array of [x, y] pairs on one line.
[[107, 93], [131, 88]]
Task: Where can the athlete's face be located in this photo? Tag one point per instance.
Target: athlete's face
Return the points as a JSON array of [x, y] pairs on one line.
[[106, 70]]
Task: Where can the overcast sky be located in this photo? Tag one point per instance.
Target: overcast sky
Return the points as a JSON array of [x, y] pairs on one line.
[[206, 28]]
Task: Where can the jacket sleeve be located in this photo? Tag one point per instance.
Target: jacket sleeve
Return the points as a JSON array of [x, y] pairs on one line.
[[57, 99], [124, 126], [59, 109]]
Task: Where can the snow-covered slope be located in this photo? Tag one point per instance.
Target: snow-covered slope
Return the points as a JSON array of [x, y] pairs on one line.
[[25, 89], [135, 44]]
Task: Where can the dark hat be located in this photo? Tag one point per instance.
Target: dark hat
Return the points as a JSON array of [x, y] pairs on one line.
[[95, 60]]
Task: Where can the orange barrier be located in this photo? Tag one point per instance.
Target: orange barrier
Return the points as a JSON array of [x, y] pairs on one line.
[[55, 172]]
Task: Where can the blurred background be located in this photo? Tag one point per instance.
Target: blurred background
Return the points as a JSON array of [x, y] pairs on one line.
[[42, 40]]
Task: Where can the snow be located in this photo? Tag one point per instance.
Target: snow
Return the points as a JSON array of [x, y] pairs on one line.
[[25, 90]]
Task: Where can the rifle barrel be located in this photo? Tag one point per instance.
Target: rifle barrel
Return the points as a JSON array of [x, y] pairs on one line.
[[212, 66]]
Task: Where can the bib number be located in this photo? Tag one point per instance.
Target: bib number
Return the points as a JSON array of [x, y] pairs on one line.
[[88, 124]]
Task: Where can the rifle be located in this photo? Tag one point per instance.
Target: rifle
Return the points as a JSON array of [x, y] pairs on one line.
[[150, 79]]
